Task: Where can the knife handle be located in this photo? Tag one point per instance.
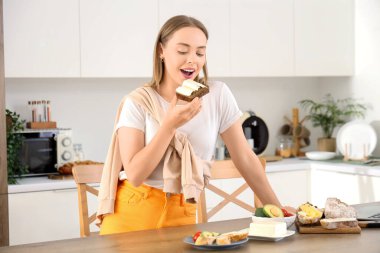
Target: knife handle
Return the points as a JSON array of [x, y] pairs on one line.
[[369, 224]]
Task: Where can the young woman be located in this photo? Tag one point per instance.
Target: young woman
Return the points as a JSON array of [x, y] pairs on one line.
[[158, 140]]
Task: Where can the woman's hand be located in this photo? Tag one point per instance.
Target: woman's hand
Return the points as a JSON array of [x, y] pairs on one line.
[[176, 116]]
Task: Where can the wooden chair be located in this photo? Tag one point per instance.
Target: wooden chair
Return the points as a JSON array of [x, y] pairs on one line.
[[84, 175], [225, 170]]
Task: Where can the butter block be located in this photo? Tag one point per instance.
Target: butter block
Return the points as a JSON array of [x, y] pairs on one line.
[[269, 228]]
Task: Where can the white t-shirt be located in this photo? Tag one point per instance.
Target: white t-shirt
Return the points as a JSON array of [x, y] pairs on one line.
[[219, 111]]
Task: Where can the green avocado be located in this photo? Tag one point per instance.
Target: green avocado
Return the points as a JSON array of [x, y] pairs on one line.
[[260, 212], [272, 211]]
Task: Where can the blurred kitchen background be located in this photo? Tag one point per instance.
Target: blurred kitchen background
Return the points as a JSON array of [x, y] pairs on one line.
[[86, 99]]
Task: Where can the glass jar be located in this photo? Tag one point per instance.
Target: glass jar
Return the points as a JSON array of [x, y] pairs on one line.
[[78, 152], [284, 146]]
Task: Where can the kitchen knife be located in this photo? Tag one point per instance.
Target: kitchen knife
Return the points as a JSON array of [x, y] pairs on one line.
[[369, 224]]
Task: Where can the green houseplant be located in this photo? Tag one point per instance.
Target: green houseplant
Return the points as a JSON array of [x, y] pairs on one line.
[[330, 113], [14, 141]]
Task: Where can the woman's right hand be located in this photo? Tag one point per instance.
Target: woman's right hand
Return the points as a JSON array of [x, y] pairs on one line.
[[176, 116]]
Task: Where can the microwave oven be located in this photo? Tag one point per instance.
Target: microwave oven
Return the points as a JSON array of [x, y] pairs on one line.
[[44, 151]]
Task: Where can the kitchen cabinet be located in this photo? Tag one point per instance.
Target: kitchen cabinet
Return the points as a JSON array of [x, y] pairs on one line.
[[292, 38], [349, 188], [117, 37], [45, 216], [324, 37], [261, 38], [41, 38], [214, 14], [291, 187]]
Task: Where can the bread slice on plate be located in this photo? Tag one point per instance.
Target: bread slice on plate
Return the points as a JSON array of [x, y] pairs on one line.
[[236, 236]]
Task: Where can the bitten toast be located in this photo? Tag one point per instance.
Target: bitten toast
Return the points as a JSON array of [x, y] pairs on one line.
[[191, 89]]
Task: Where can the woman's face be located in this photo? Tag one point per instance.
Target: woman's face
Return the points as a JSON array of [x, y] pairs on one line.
[[184, 55]]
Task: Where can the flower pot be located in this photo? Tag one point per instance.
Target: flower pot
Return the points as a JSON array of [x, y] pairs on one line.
[[327, 144]]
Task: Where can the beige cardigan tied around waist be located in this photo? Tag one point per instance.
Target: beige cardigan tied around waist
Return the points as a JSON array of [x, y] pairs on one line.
[[183, 171]]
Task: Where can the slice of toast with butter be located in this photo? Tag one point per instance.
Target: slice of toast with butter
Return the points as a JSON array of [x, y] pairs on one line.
[[191, 89]]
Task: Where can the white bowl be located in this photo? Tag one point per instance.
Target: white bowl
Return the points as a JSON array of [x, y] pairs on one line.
[[289, 220], [320, 155]]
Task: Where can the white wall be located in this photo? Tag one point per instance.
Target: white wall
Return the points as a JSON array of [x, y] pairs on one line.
[[365, 85], [88, 106]]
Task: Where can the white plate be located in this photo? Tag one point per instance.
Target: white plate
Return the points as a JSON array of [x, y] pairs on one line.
[[320, 155], [272, 238], [189, 240], [356, 139]]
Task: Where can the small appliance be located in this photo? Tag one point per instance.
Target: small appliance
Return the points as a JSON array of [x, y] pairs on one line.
[[43, 151]]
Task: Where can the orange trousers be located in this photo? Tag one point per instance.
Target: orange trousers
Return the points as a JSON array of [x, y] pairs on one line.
[[145, 207]]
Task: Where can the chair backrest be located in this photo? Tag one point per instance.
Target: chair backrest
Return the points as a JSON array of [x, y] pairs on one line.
[[225, 170], [84, 175]]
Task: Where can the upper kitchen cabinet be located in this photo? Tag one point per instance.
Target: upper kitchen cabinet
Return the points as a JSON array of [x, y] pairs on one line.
[[214, 14], [262, 38], [41, 38], [324, 37], [117, 37]]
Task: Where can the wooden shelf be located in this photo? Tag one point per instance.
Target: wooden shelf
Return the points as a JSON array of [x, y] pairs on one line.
[[41, 125]]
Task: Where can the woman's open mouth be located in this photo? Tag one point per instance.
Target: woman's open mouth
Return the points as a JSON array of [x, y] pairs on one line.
[[187, 73]]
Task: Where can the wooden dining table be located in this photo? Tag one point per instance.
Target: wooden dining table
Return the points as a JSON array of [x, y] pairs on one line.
[[171, 240]]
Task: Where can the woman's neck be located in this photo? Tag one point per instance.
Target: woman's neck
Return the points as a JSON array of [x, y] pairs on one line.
[[167, 90]]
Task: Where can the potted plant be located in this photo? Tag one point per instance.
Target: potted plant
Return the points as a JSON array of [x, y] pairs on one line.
[[14, 142], [330, 113]]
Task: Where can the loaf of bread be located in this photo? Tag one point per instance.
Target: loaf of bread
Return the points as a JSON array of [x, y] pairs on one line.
[[191, 89], [335, 208]]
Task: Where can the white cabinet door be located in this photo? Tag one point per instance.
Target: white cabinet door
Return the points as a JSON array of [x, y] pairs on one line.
[[369, 189], [117, 37], [291, 187], [214, 14], [349, 188], [262, 38], [45, 216], [324, 37], [41, 38]]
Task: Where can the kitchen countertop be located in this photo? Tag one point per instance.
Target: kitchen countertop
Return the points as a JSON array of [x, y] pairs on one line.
[[171, 240], [33, 184]]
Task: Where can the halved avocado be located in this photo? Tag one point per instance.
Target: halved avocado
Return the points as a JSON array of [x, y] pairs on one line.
[[272, 211], [260, 212]]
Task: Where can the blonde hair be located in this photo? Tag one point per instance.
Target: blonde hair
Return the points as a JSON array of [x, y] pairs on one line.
[[167, 30]]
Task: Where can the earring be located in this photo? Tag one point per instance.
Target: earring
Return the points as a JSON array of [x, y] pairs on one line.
[[162, 59]]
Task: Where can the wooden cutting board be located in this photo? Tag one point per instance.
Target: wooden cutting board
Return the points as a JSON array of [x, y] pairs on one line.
[[318, 229]]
